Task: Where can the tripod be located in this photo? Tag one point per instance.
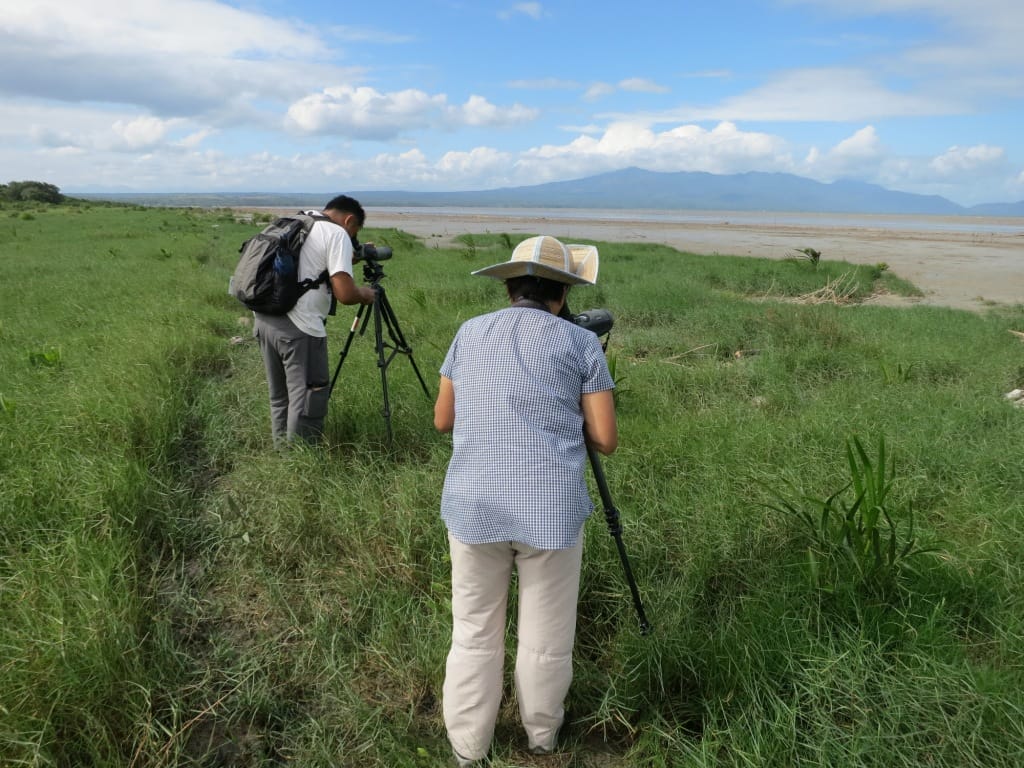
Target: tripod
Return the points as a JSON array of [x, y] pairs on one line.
[[611, 516], [600, 322], [383, 318]]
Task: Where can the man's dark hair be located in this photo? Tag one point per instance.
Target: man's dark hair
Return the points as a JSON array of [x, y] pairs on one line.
[[348, 205], [534, 288]]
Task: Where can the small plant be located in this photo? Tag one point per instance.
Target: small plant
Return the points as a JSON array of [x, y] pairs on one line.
[[6, 405], [810, 254], [901, 373], [506, 240], [419, 298], [470, 247], [49, 358], [878, 269], [864, 544]]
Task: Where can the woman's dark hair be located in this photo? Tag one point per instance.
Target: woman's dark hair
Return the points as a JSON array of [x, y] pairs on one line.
[[534, 288]]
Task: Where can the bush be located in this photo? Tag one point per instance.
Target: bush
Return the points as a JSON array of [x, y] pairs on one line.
[[30, 191]]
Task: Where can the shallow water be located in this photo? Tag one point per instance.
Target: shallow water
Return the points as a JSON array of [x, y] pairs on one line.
[[970, 224]]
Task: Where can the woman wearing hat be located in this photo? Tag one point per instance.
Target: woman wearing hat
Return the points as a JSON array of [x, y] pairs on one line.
[[523, 391]]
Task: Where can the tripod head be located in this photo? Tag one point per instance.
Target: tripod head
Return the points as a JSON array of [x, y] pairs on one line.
[[373, 273]]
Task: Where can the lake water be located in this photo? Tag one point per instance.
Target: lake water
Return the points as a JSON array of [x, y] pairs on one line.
[[1011, 226]]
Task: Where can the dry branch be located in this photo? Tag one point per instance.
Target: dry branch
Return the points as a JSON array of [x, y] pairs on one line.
[[838, 291]]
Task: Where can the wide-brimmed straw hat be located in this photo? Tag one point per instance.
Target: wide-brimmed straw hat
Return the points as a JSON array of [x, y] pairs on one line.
[[548, 257]]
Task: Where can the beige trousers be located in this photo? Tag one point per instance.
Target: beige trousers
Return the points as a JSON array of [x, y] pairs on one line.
[[549, 583]]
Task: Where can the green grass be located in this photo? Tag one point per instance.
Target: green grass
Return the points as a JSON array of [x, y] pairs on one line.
[[173, 592]]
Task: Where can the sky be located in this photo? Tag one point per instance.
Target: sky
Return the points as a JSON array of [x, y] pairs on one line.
[[922, 96]]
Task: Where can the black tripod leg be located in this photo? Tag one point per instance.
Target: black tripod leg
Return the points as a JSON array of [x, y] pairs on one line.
[[615, 529], [348, 343], [395, 332], [383, 315], [382, 363]]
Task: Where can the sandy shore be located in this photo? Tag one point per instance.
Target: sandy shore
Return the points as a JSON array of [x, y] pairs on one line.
[[962, 269], [966, 264]]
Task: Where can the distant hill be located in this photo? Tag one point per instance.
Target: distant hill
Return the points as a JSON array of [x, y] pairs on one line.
[[631, 188], [997, 209]]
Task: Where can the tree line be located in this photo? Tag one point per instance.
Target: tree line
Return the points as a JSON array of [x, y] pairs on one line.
[[30, 191]]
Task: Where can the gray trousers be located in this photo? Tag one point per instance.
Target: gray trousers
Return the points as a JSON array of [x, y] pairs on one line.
[[548, 591], [297, 377]]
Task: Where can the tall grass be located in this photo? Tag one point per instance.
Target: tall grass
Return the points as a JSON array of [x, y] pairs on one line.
[[174, 592]]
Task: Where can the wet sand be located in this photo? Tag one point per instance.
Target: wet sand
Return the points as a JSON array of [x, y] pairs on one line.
[[965, 263], [954, 268]]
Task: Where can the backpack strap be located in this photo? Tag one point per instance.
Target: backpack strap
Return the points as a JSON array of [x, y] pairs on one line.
[[310, 283]]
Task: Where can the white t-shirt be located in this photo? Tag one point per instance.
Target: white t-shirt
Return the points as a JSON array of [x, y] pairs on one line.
[[329, 247]]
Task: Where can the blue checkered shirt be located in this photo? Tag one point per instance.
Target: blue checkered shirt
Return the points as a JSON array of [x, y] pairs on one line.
[[517, 466]]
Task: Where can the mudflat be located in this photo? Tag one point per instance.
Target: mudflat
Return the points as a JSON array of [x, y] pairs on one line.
[[953, 266], [969, 263]]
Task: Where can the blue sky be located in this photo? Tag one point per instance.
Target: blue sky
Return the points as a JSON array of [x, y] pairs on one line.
[[923, 96]]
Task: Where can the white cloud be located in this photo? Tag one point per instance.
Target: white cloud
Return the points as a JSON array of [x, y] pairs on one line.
[[642, 85], [545, 84], [598, 90], [710, 74], [169, 26], [477, 111], [83, 128], [101, 92], [98, 130], [957, 160], [48, 137], [142, 132], [858, 156], [601, 90], [171, 58], [832, 95], [964, 174], [967, 59], [366, 113], [863, 144], [590, 128], [971, 57], [533, 10], [478, 163], [193, 140], [723, 149], [410, 169]]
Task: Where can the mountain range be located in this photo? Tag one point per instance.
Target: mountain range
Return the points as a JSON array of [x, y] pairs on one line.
[[631, 188]]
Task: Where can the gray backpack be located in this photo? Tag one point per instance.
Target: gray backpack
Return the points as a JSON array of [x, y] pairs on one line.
[[266, 279]]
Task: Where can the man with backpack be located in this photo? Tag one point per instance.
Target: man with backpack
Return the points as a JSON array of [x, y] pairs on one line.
[[294, 345]]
